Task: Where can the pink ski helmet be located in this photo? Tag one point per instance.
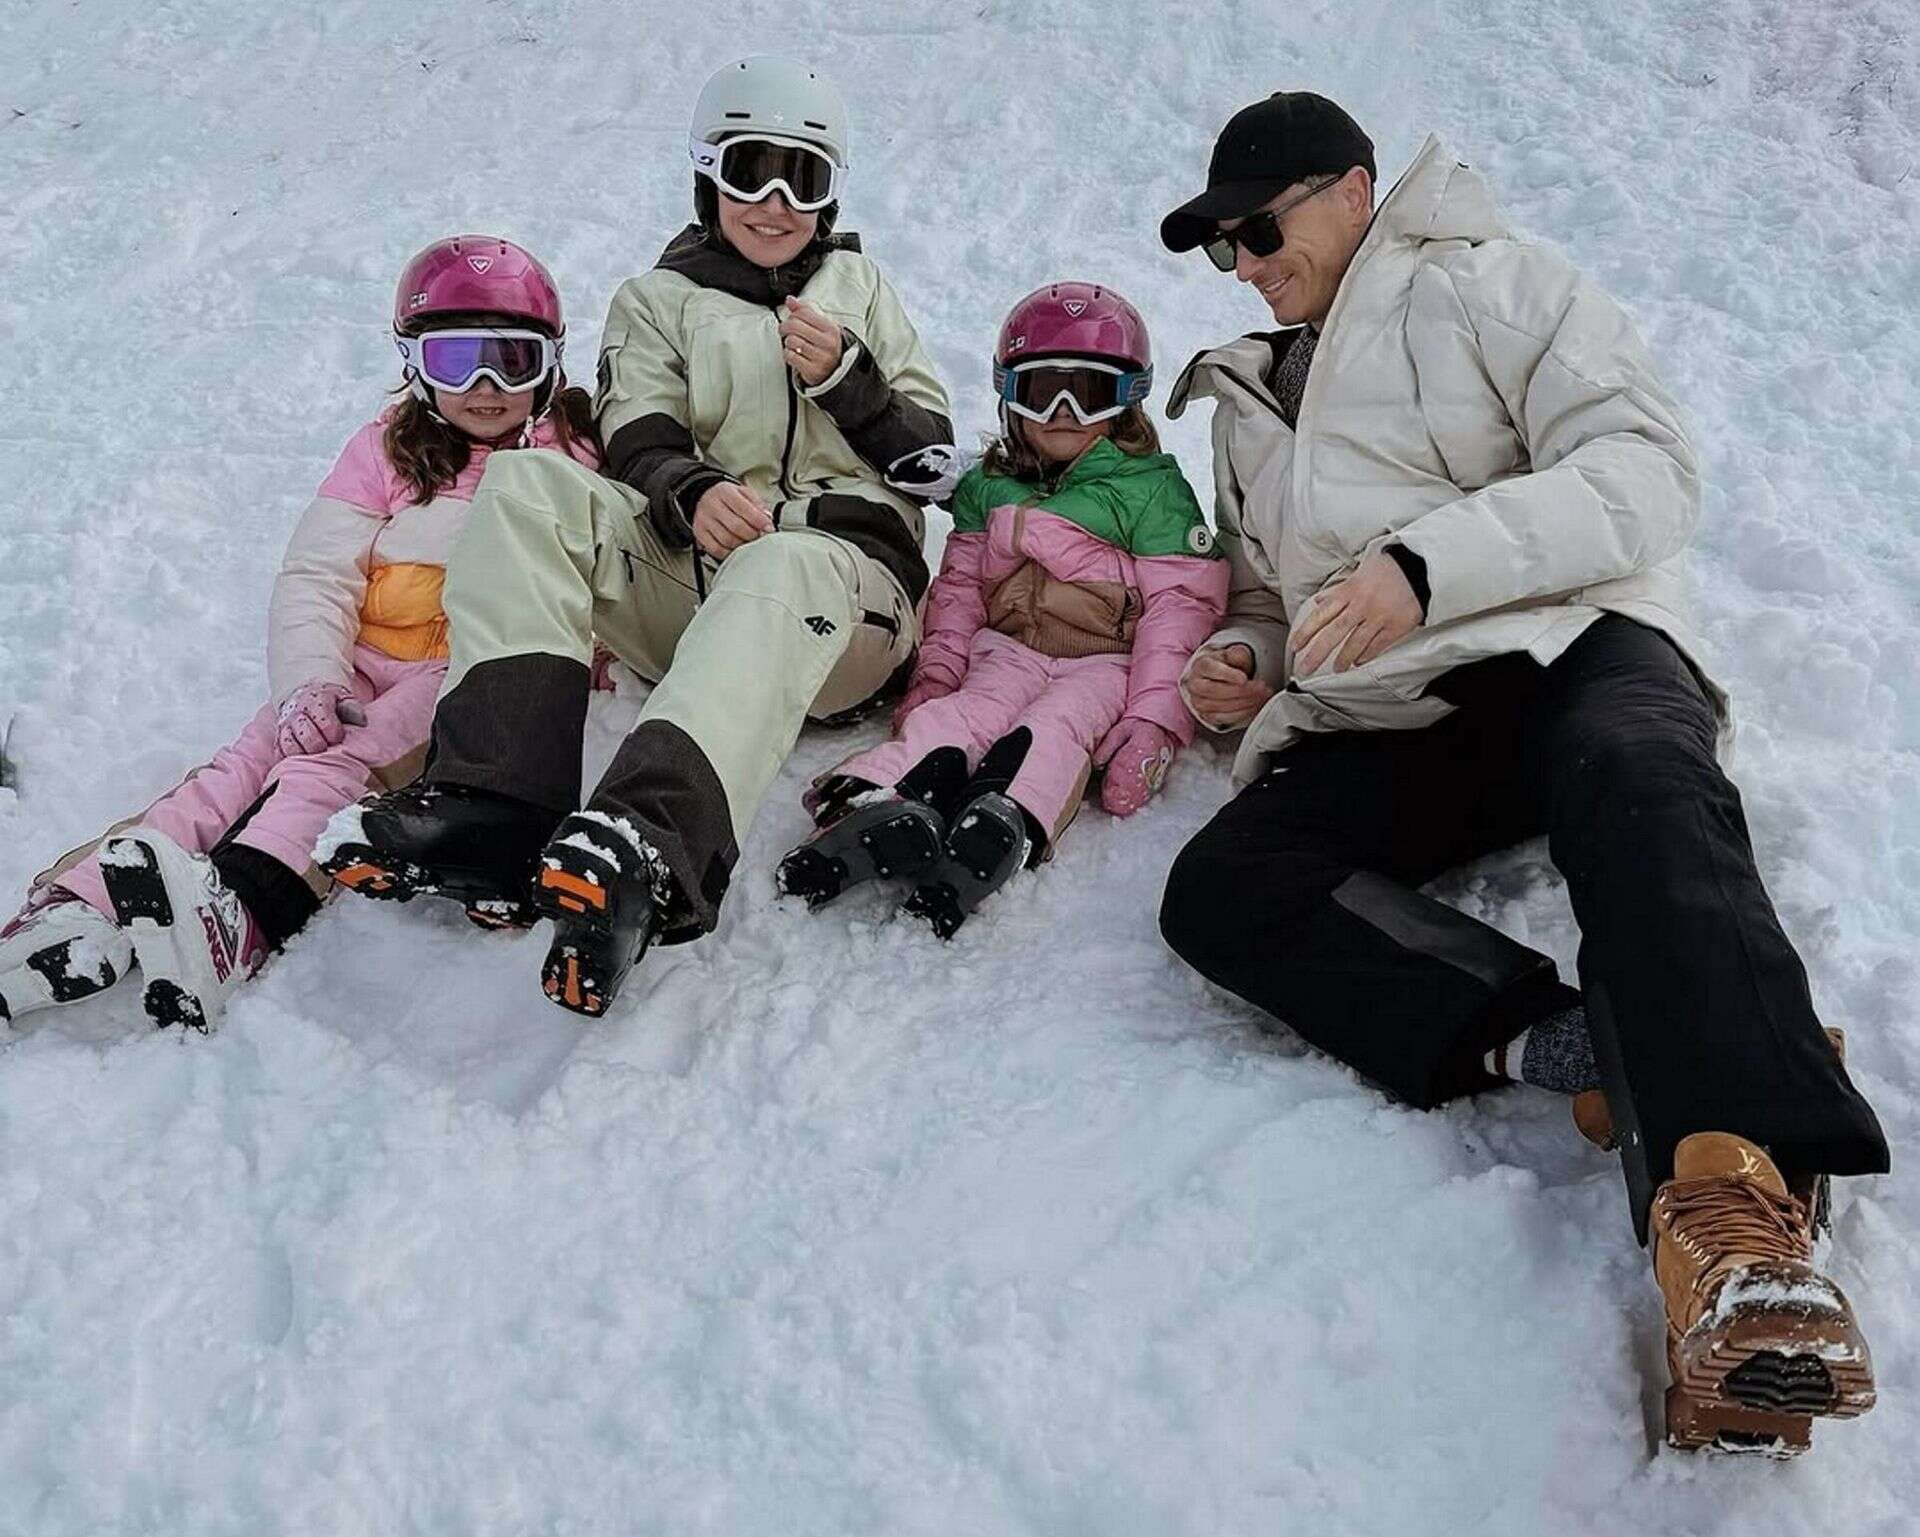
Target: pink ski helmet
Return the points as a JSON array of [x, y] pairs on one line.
[[1072, 323], [1075, 320], [470, 273]]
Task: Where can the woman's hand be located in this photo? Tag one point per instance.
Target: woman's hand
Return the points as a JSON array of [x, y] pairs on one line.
[[1221, 687], [728, 516], [1353, 620], [809, 342]]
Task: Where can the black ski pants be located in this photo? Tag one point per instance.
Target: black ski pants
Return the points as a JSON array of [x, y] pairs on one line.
[[1301, 897]]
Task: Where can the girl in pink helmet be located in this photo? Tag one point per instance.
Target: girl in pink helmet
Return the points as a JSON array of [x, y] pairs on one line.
[[200, 887], [1079, 577]]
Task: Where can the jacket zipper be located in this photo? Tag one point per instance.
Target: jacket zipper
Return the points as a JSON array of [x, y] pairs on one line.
[[793, 413]]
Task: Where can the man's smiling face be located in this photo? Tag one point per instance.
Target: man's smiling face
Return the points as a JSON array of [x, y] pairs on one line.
[[1321, 233]]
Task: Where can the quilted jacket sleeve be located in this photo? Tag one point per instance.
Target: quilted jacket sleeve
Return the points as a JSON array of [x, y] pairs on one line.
[[1613, 484], [1183, 597], [313, 616]]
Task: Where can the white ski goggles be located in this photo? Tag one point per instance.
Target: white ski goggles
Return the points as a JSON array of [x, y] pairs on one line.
[[1093, 392], [750, 168], [456, 360]]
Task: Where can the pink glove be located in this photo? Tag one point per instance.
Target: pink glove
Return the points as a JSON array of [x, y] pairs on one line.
[[314, 717], [1136, 755], [918, 693]]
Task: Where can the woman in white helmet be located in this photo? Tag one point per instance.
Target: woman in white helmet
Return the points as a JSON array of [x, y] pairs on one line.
[[773, 426]]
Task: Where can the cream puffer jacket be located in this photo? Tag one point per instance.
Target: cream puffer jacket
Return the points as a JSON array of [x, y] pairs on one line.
[[1475, 399]]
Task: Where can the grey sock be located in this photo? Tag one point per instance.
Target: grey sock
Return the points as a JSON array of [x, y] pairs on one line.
[[1558, 1054]]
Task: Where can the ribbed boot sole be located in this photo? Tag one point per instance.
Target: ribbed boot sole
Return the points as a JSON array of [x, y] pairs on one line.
[[592, 949], [137, 891], [1760, 1377], [168, 1004], [881, 842]]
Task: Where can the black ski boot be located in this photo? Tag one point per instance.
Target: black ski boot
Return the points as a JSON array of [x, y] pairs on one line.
[[605, 888], [989, 842], [867, 832], [472, 846]]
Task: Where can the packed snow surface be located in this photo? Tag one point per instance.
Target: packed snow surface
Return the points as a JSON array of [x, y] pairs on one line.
[[829, 1227]]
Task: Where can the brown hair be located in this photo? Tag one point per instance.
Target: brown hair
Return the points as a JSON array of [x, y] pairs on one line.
[[431, 454], [1011, 454]]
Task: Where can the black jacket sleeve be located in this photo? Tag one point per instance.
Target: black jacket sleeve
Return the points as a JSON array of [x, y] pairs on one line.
[[655, 455], [885, 426]]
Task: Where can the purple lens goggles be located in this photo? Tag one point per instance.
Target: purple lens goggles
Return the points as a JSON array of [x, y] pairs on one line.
[[456, 360]]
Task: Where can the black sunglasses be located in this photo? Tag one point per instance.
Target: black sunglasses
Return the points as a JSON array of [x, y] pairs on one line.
[[1260, 233]]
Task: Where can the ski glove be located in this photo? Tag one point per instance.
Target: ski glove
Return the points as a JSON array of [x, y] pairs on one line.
[[1136, 755], [919, 692], [315, 717]]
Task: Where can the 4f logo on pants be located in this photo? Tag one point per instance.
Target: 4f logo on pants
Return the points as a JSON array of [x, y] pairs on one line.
[[820, 624]]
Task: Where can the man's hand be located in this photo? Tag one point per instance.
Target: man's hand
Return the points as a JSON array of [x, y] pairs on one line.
[[1221, 686], [1355, 619], [809, 342], [728, 516]]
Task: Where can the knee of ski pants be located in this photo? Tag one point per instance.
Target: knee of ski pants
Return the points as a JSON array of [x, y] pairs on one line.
[[1228, 896], [1636, 770], [849, 602], [794, 567], [539, 481]]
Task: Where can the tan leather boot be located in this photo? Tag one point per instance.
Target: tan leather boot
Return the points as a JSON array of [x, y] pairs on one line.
[[1758, 1341]]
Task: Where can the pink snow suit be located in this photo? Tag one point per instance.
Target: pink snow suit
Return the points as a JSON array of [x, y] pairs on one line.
[[356, 604], [1058, 613]]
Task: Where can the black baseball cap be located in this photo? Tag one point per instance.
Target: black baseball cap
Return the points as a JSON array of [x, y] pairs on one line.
[[1264, 149]]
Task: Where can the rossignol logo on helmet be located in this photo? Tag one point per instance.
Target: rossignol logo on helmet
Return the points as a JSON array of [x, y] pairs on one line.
[[1074, 307], [1016, 344], [417, 300], [480, 264]]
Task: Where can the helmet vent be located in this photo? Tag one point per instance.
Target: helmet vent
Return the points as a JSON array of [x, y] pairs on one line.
[[810, 123], [743, 116]]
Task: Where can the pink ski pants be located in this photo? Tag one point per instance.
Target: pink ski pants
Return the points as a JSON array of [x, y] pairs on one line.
[[307, 788], [1068, 705]]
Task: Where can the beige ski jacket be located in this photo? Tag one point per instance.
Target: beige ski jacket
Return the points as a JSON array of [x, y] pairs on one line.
[[1475, 399], [693, 389]]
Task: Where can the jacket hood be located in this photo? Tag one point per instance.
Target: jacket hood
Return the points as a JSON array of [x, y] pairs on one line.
[[705, 257], [1438, 197]]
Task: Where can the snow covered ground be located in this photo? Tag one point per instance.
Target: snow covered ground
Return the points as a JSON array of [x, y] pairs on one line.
[[828, 1228]]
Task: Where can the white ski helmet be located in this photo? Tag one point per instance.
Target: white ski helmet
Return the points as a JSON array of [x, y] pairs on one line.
[[771, 95]]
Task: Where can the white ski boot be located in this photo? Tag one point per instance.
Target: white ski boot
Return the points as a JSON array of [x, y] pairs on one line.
[[57, 949], [195, 940]]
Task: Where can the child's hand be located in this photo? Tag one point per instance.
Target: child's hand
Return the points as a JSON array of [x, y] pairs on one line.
[[728, 516], [918, 693], [1136, 755], [315, 717], [809, 342]]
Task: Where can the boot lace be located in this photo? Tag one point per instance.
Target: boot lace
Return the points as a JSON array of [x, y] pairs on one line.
[[1711, 1217]]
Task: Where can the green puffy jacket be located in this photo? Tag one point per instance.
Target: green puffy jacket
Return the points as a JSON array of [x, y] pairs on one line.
[[693, 389]]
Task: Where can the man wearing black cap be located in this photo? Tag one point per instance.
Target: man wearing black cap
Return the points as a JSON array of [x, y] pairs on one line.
[[1456, 499]]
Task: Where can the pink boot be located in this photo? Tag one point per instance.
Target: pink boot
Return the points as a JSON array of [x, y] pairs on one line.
[[195, 940]]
